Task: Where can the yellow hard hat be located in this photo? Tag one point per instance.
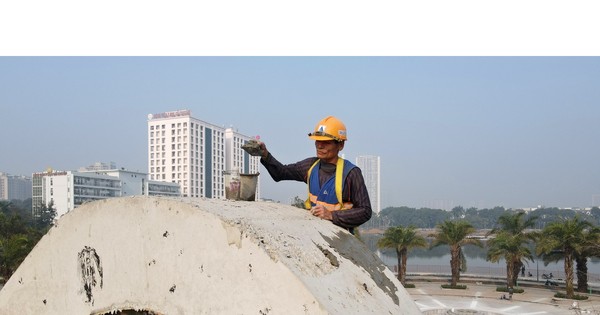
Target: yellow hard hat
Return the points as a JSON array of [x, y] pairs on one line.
[[329, 128]]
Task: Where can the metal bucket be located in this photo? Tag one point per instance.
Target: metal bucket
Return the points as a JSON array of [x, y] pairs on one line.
[[240, 186]]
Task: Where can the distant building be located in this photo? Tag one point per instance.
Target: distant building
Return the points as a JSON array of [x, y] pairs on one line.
[[67, 190], [371, 169], [195, 154], [100, 166], [14, 187]]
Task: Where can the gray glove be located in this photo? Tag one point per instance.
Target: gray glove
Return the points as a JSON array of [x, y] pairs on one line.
[[254, 148]]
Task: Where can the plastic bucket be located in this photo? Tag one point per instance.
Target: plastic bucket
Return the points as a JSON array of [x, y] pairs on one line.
[[240, 186]]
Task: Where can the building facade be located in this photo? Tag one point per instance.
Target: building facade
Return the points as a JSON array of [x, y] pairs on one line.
[[66, 190], [195, 154], [14, 187], [371, 169]]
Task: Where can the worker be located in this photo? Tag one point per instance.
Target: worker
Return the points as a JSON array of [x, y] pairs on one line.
[[336, 187]]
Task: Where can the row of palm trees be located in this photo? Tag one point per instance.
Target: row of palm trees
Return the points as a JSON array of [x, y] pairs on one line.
[[571, 240]]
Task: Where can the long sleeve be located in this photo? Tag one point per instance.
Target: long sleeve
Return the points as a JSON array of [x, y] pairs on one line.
[[354, 191], [295, 171]]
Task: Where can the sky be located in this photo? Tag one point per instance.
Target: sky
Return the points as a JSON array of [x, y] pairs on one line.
[[450, 131], [467, 103]]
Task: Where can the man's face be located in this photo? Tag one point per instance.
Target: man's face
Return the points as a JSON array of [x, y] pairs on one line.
[[328, 150]]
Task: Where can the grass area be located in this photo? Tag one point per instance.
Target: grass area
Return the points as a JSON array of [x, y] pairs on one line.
[[561, 295], [458, 286], [409, 286]]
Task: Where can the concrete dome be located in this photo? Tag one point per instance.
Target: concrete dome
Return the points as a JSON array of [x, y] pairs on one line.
[[152, 255]]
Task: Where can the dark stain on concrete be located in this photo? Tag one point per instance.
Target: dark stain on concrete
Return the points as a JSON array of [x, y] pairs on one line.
[[357, 252], [90, 268]]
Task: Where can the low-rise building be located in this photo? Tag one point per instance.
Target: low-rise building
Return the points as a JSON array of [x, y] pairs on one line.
[[66, 190]]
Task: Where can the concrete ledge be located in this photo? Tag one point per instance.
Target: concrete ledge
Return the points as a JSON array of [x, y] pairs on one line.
[[195, 256]]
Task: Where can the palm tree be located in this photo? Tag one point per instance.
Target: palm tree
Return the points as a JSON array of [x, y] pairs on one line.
[[590, 238], [513, 248], [402, 239], [565, 237], [454, 234], [510, 242]]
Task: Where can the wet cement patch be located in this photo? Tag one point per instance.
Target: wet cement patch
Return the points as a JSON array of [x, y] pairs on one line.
[[357, 252]]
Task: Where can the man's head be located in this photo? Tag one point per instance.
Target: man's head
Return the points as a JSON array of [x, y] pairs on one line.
[[330, 136]]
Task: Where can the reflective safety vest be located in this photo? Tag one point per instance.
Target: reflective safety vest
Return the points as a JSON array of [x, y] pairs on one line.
[[330, 195]]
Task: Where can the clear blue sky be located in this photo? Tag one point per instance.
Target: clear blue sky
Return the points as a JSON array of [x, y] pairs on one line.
[[471, 131]]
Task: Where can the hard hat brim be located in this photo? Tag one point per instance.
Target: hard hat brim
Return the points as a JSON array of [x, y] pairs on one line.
[[321, 138]]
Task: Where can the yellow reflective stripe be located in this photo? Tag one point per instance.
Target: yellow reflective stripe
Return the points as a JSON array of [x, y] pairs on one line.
[[339, 173], [307, 203]]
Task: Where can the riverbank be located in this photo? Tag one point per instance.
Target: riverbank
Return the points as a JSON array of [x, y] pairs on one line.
[[480, 298], [527, 282]]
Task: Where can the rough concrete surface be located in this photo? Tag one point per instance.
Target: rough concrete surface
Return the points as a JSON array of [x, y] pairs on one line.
[[200, 256]]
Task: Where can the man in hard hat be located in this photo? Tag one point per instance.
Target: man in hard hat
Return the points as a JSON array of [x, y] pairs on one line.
[[336, 188]]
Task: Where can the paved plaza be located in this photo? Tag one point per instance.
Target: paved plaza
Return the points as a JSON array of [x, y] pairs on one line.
[[481, 298]]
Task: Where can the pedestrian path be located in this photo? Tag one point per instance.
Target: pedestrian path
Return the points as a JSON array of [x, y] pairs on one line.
[[481, 298]]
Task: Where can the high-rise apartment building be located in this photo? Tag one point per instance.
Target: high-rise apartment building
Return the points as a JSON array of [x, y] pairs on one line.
[[14, 187], [371, 170], [195, 154]]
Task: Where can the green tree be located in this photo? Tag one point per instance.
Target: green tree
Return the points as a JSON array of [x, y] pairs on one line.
[[454, 234], [402, 239], [18, 236], [46, 219], [14, 250], [512, 237], [513, 249], [458, 213], [565, 236], [590, 238]]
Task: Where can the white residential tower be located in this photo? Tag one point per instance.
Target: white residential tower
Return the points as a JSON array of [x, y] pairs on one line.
[[371, 170], [195, 154]]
